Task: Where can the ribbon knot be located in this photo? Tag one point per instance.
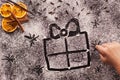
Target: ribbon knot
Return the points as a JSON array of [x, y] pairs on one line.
[[65, 31]]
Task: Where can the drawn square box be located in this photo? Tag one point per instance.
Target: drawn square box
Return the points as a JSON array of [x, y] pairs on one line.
[[77, 42], [55, 46], [58, 61], [67, 50], [78, 59]]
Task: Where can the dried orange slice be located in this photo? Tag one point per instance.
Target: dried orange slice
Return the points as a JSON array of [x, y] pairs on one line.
[[19, 12], [9, 25], [5, 10]]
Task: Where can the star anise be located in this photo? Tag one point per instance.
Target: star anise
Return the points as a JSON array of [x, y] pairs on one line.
[[9, 58], [37, 69], [32, 38]]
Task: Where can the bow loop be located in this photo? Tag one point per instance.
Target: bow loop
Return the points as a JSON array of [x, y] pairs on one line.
[[51, 31], [76, 22]]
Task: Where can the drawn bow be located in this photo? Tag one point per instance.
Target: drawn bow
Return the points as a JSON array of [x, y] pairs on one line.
[[64, 32]]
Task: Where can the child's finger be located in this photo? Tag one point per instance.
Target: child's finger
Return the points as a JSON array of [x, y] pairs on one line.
[[101, 49], [102, 58], [114, 42], [106, 44]]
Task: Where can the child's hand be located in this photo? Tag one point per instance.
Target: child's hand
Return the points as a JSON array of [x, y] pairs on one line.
[[110, 53]]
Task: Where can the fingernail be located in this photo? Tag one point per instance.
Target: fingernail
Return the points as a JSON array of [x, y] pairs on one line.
[[96, 46]]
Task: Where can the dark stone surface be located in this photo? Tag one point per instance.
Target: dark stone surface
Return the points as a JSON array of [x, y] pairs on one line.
[[100, 18]]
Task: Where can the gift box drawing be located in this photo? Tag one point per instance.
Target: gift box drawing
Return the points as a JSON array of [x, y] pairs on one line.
[[67, 48]]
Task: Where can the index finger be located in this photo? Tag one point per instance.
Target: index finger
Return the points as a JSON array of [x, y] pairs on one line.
[[101, 49]]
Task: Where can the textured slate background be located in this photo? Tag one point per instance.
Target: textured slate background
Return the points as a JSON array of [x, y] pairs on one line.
[[106, 13]]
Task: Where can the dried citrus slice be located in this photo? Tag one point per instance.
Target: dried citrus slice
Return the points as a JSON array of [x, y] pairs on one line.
[[9, 25], [5, 10], [19, 12]]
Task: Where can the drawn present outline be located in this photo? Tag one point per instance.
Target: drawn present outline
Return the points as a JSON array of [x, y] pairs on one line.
[[64, 32]]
